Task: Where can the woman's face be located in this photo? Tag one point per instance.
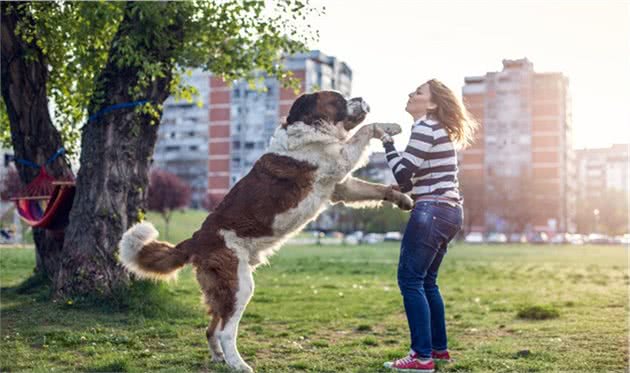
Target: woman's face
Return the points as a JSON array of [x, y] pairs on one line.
[[419, 101]]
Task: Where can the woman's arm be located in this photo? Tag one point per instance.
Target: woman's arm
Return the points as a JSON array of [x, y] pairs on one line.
[[404, 165]]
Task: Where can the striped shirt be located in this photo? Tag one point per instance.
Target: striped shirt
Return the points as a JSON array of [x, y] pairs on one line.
[[428, 166]]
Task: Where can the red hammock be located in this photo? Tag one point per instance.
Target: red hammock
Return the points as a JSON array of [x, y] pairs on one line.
[[46, 203]]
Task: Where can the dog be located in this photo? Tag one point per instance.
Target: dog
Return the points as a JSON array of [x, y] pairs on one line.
[[306, 168]]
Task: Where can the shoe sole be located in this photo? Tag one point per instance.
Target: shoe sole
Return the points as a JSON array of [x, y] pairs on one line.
[[389, 366]]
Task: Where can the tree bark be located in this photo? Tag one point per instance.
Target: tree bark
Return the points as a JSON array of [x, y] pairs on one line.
[[33, 134], [115, 159]]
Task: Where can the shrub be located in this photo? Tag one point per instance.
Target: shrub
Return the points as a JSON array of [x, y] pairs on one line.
[[538, 312]]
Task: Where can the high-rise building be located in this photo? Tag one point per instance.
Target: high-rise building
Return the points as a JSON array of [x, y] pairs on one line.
[[215, 140], [601, 170], [243, 118], [182, 144], [520, 174]]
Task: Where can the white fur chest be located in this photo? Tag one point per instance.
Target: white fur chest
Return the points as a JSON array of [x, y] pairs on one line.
[[303, 143]]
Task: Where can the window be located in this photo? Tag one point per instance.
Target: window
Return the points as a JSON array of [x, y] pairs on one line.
[[193, 147], [171, 148]]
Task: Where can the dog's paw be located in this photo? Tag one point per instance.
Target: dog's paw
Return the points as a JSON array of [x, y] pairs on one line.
[[240, 366], [389, 128], [244, 368], [404, 202]]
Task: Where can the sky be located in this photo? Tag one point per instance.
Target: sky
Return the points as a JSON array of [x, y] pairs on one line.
[[392, 46]]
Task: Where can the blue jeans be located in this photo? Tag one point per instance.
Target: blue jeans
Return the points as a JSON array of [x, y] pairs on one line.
[[431, 227]]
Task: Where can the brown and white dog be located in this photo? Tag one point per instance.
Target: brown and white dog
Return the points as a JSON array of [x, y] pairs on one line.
[[306, 168]]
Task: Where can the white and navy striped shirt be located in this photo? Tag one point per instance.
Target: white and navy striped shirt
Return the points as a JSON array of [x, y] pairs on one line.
[[428, 166]]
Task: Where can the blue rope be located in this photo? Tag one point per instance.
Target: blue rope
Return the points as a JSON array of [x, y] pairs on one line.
[[61, 151], [116, 107], [28, 163]]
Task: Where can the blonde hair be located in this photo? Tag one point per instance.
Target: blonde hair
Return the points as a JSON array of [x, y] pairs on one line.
[[452, 114]]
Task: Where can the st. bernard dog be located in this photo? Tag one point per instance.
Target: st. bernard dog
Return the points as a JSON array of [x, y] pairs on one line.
[[306, 168]]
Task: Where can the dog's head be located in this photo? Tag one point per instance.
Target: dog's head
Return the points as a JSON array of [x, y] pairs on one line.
[[328, 106]]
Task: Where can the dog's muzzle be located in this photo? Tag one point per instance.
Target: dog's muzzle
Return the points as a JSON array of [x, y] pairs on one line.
[[357, 106], [357, 110]]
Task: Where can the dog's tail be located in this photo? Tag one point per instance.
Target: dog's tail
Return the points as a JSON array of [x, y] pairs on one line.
[[146, 257]]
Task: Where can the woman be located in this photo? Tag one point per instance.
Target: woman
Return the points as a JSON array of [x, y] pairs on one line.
[[428, 169]]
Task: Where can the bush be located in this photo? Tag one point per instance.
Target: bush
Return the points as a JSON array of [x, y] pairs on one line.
[[538, 312]]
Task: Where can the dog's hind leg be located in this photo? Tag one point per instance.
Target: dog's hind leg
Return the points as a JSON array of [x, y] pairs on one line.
[[218, 277], [229, 330], [213, 340]]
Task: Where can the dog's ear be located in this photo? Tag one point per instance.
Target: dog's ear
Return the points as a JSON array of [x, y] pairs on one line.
[[303, 110]]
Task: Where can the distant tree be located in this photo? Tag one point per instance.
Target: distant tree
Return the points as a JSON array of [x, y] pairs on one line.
[[210, 202], [474, 193], [11, 185], [613, 212], [513, 198], [167, 192], [612, 219], [520, 202], [378, 220]]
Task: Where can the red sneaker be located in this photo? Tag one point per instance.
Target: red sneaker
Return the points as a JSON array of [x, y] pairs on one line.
[[441, 356], [411, 364]]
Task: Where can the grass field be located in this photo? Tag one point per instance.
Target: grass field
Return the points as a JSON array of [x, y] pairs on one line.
[[330, 309]]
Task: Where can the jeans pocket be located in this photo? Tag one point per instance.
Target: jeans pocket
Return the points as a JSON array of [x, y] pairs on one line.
[[442, 232]]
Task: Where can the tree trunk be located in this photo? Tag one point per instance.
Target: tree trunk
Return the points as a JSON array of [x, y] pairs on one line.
[[115, 159], [167, 220], [33, 135]]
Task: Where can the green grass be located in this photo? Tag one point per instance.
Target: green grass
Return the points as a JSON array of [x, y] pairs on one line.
[[183, 223], [330, 309]]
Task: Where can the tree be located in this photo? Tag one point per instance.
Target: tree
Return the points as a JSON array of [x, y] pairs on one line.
[[386, 218], [519, 202], [210, 202], [88, 57], [612, 218], [167, 192], [513, 199], [474, 193]]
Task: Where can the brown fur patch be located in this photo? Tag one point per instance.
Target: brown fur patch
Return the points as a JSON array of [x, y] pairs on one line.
[[212, 327], [161, 257], [276, 184], [217, 275]]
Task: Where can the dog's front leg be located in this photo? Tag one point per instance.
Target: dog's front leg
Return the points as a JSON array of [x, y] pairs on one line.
[[359, 193], [354, 151]]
